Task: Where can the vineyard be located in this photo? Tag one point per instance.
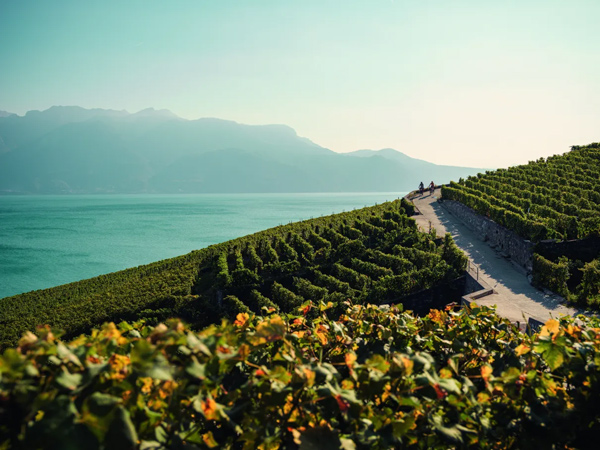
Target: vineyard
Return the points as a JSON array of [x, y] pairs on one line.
[[553, 198], [373, 254], [286, 339], [368, 378]]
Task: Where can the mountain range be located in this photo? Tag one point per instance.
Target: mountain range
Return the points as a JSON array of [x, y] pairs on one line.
[[69, 149]]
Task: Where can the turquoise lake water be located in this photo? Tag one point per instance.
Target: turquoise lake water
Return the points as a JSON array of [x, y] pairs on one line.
[[50, 240]]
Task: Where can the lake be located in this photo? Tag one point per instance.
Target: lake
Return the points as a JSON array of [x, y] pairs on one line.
[[50, 240]]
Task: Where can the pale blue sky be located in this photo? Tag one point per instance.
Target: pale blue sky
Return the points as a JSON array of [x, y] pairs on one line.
[[480, 83]]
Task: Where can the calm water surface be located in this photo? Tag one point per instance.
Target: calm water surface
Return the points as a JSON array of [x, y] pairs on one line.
[[50, 240]]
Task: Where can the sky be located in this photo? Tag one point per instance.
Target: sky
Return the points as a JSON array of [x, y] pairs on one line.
[[477, 83]]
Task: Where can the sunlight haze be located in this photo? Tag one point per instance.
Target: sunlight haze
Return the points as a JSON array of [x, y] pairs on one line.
[[470, 83]]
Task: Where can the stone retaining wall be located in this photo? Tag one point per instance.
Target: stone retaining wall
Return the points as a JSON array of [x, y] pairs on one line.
[[502, 239]]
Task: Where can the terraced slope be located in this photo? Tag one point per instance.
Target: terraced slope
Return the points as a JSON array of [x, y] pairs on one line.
[[557, 197], [374, 254], [553, 198]]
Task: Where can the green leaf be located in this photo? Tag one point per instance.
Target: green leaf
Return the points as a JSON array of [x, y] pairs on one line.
[[554, 357], [378, 362], [413, 402], [401, 427], [453, 363], [551, 353], [347, 444], [97, 413], [63, 353], [450, 384], [101, 404], [452, 434], [161, 434], [93, 370], [57, 427], [150, 445], [196, 369], [125, 327], [68, 380], [121, 434], [511, 375], [319, 438], [149, 362]]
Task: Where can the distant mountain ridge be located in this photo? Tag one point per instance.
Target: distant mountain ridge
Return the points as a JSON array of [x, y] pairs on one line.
[[69, 149]]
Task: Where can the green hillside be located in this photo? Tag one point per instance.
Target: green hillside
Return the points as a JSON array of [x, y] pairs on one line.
[[295, 354], [374, 254], [553, 198]]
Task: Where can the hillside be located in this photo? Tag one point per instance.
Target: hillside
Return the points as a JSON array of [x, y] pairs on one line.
[[75, 150], [304, 358], [554, 203], [374, 254]]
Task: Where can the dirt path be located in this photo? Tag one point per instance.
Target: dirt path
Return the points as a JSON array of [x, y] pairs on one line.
[[513, 296]]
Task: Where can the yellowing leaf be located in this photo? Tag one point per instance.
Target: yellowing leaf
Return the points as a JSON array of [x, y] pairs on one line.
[[241, 319], [310, 377], [522, 349], [243, 351], [482, 397], [210, 409], [110, 331], [209, 440], [147, 384], [406, 363], [350, 359], [486, 372], [321, 333], [436, 316], [573, 330], [269, 330], [445, 373], [347, 384], [552, 326]]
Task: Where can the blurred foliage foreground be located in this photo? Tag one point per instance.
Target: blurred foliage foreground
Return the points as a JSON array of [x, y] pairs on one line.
[[329, 376]]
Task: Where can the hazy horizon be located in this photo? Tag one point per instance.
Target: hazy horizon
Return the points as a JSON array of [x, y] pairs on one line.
[[466, 83], [424, 158]]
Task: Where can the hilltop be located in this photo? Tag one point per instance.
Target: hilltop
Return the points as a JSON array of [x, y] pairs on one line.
[[76, 150]]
